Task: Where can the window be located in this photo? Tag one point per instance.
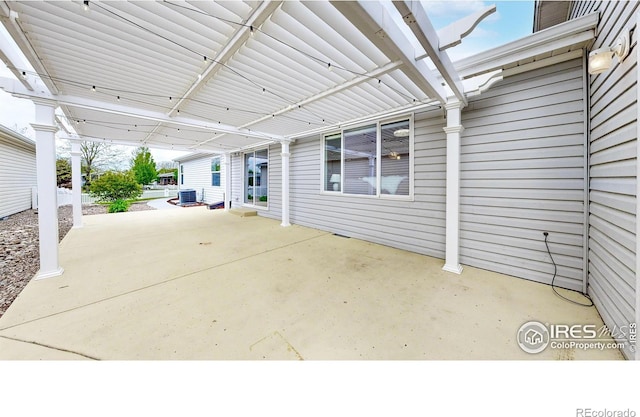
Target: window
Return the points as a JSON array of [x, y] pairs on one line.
[[360, 154], [256, 176], [332, 162], [215, 172], [395, 158], [181, 174], [373, 159]]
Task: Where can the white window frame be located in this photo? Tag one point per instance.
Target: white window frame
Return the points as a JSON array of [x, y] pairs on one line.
[[323, 174], [219, 172], [378, 194], [255, 206]]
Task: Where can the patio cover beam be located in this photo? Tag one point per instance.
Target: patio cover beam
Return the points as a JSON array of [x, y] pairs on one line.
[[416, 18], [375, 22], [18, 90], [556, 38], [359, 79], [257, 18]]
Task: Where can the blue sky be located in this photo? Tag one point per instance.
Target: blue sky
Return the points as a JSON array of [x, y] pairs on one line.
[[511, 21]]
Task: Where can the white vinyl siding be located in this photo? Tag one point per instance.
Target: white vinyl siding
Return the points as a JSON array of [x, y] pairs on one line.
[[18, 166], [417, 225], [613, 159], [522, 173], [197, 176], [237, 164]]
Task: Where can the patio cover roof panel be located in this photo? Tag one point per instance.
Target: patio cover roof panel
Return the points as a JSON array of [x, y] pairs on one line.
[[313, 36], [98, 47], [101, 32], [106, 58]]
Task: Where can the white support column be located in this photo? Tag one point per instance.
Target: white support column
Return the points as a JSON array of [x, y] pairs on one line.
[[45, 129], [76, 183], [454, 129], [285, 183], [227, 181]]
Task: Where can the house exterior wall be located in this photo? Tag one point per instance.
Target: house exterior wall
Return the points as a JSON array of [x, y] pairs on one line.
[[418, 225], [522, 173], [236, 180], [18, 166], [197, 175], [613, 170], [274, 210]]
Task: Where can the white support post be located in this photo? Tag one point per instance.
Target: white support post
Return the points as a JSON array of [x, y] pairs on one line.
[[285, 183], [227, 181], [76, 184], [45, 129], [454, 129]]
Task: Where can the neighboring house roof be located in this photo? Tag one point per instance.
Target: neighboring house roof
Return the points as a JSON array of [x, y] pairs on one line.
[[195, 155], [550, 13], [166, 174], [11, 136]]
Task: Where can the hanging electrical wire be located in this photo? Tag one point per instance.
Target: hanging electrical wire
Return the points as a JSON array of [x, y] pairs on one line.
[[234, 71], [324, 62], [120, 96]]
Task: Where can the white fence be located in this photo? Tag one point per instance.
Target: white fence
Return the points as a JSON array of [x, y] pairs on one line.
[[65, 196]]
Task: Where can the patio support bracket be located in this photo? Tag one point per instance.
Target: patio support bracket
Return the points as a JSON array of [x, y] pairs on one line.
[[45, 129], [453, 130], [286, 155], [76, 183]]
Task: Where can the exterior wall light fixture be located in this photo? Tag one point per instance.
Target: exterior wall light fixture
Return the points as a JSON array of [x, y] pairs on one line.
[[600, 60]]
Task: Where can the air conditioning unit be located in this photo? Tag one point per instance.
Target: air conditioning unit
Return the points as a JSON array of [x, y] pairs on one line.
[[187, 196]]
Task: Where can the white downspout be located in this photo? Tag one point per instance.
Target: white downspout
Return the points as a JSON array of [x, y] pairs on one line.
[[453, 130], [45, 129]]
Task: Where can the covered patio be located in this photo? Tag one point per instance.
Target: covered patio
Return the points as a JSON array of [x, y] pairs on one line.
[[200, 284]]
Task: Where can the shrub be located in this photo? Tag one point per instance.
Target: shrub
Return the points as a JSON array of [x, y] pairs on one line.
[[118, 206], [263, 198], [114, 186]]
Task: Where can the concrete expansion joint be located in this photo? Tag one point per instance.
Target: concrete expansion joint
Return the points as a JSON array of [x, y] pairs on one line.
[[31, 342]]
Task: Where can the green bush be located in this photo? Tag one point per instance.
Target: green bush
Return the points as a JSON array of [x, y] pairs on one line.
[[114, 186], [118, 206], [263, 198]]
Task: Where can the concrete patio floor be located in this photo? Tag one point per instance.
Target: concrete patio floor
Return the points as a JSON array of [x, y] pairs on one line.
[[208, 285]]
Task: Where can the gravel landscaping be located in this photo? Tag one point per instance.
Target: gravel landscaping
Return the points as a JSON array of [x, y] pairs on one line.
[[19, 260]]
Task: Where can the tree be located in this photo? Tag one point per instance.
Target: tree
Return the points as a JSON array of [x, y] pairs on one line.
[[143, 166], [113, 186], [63, 172], [98, 157], [166, 165]]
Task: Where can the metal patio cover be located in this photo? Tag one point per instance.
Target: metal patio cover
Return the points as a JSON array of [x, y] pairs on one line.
[[219, 76]]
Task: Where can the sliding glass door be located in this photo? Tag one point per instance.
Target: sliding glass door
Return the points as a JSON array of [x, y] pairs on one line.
[[256, 178]]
